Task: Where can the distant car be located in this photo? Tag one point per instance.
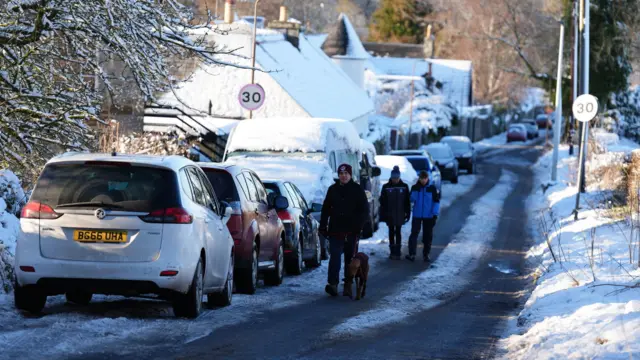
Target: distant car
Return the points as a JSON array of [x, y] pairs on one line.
[[426, 163], [257, 231], [445, 161], [532, 128], [464, 151], [302, 242], [543, 121], [420, 152], [124, 225], [516, 132]]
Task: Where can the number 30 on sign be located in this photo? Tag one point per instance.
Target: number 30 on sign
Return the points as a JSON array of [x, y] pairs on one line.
[[585, 108], [251, 97]]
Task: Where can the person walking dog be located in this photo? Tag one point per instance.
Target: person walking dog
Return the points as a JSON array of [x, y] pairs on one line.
[[425, 198], [345, 209], [395, 207]]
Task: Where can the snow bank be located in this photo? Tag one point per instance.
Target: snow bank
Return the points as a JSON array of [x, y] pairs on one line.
[[290, 135], [387, 162], [582, 306], [450, 272], [311, 174]]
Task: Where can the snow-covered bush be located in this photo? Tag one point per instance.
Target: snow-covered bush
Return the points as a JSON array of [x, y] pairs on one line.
[[174, 143], [624, 116], [12, 198], [431, 113]]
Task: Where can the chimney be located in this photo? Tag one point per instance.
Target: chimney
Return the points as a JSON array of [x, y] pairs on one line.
[[228, 11], [283, 14]]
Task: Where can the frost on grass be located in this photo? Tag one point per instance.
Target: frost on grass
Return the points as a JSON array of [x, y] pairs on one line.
[[451, 269]]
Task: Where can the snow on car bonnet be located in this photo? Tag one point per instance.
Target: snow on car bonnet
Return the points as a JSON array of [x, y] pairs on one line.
[[306, 135]]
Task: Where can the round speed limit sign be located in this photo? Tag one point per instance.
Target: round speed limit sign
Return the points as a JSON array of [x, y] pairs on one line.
[[585, 108], [251, 96]]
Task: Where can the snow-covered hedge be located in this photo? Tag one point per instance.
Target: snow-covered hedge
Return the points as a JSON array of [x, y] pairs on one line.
[[624, 116], [431, 113], [154, 144], [12, 199]]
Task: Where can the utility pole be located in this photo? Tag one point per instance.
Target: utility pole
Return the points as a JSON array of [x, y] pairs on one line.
[[253, 51], [574, 75], [558, 124], [585, 90]]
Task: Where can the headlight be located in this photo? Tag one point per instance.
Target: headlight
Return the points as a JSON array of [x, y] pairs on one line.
[[449, 165]]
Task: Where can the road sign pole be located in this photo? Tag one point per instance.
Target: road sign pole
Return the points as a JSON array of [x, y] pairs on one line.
[[253, 52], [585, 90], [584, 109], [558, 125]]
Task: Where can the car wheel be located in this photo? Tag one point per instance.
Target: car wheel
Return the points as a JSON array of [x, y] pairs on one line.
[[189, 305], [274, 277], [224, 297], [79, 297], [294, 263], [470, 170], [247, 281], [317, 257], [29, 299], [454, 180]]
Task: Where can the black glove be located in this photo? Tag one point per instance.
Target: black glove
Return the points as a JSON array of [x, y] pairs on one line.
[[407, 217], [435, 218]]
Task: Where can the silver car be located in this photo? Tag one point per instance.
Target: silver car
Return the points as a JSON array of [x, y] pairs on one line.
[[124, 225]]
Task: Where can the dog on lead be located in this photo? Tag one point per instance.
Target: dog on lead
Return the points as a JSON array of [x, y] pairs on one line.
[[358, 270]]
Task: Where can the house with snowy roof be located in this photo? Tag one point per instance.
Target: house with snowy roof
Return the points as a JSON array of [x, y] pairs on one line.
[[299, 80]]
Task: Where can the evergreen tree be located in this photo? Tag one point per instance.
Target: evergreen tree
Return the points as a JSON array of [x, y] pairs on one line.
[[400, 20]]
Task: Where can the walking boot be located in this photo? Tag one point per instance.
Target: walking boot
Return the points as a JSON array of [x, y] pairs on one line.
[[331, 289], [348, 287]]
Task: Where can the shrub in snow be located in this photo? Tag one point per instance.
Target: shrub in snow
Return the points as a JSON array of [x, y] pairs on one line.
[[624, 116], [11, 192], [12, 198], [431, 113], [173, 143]]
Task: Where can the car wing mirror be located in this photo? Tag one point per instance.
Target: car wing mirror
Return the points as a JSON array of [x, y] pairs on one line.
[[315, 207]]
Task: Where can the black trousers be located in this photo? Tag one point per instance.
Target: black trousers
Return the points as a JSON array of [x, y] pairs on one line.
[[395, 239], [337, 246], [427, 225]]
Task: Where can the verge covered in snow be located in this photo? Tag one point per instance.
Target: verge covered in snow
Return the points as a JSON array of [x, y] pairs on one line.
[[584, 305], [450, 271]]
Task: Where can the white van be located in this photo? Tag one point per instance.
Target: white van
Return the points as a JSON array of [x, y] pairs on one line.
[[305, 151]]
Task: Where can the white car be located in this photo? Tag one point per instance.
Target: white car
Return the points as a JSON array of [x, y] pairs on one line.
[[124, 225]]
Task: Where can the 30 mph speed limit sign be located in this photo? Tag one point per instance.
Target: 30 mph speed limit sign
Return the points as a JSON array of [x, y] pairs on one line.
[[585, 108], [251, 96]]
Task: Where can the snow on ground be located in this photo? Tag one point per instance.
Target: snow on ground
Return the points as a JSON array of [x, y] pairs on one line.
[[582, 306], [450, 270]]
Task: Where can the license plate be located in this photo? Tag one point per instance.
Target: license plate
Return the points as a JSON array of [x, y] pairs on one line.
[[105, 236]]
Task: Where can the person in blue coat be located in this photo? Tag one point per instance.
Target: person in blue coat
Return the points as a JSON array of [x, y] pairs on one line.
[[426, 208]]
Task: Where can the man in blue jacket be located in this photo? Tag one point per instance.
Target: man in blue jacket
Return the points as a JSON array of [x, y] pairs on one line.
[[426, 208]]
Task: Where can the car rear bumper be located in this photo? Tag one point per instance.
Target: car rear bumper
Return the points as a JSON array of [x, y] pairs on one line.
[[448, 173], [59, 276], [465, 162]]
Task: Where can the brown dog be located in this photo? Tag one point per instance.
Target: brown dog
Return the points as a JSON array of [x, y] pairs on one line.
[[358, 269]]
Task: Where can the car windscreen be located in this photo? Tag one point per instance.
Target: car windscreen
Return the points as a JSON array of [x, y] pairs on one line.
[[223, 185], [439, 153], [109, 185], [419, 163], [458, 146]]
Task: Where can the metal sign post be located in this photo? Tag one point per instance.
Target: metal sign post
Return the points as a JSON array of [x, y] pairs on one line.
[[557, 126], [584, 109]]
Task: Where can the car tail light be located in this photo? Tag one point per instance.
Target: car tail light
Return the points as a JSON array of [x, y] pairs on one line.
[[285, 216], [28, 269], [168, 216], [36, 210], [169, 273]]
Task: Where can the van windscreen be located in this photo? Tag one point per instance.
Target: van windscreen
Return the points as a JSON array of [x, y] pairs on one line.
[[114, 186]]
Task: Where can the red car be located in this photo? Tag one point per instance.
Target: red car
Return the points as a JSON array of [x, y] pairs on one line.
[[517, 132], [257, 231], [543, 121]]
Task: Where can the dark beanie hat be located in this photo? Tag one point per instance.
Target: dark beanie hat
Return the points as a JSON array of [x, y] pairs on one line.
[[395, 173], [345, 167]]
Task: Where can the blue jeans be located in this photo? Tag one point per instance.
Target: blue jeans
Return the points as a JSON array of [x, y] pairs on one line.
[[337, 246]]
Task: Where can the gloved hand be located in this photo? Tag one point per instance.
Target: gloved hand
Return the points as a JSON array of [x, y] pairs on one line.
[[435, 219], [407, 217]]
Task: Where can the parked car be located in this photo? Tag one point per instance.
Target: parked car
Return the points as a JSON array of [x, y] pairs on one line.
[[304, 151], [463, 150], [516, 132], [532, 128], [420, 152], [370, 181], [124, 225], [543, 121], [302, 241], [445, 161], [426, 163], [257, 231]]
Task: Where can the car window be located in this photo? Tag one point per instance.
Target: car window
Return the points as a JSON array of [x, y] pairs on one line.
[[223, 186], [185, 185], [198, 188], [93, 184], [251, 187], [262, 192], [292, 196], [209, 192], [243, 185], [301, 199], [419, 163], [272, 188]]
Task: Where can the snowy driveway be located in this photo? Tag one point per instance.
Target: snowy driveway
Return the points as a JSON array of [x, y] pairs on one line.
[[477, 260]]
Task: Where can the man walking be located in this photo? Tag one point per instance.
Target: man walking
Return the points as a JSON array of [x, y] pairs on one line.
[[426, 208], [346, 209], [395, 207]]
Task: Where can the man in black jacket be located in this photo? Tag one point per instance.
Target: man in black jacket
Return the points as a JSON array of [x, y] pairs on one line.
[[346, 209], [395, 207]]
